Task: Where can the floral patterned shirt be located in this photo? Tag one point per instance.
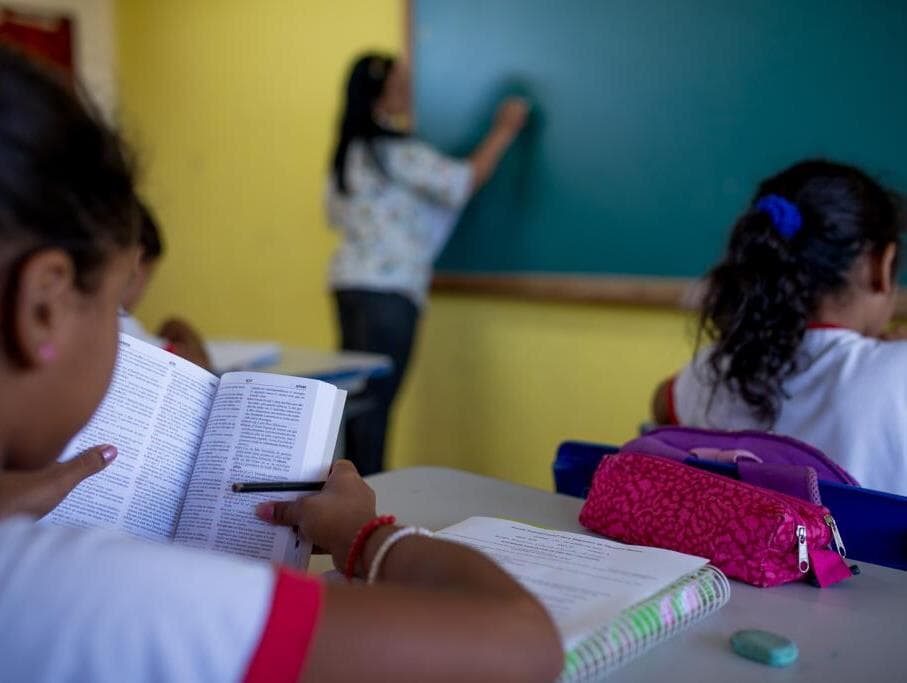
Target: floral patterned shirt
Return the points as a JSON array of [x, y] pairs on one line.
[[394, 223]]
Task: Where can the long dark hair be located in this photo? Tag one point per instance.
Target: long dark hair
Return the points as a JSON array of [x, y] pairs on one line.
[[763, 294], [363, 89], [150, 239], [65, 179]]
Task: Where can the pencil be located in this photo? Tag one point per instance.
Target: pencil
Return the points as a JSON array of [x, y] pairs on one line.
[[273, 486]]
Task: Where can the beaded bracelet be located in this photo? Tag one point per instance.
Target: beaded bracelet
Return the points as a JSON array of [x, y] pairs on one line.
[[359, 542], [389, 543]]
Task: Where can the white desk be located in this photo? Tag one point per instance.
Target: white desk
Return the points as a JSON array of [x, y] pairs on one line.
[[347, 369], [854, 631]]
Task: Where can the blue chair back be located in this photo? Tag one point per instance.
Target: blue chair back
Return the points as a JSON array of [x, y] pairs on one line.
[[575, 464], [873, 524]]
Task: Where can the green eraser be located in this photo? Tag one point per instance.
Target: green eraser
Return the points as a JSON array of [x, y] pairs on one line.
[[765, 647]]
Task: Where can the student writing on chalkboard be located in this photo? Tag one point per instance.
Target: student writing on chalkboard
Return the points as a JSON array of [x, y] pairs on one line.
[[395, 201], [796, 312]]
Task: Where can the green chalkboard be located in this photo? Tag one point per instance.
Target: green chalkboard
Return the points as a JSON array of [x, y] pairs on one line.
[[653, 119]]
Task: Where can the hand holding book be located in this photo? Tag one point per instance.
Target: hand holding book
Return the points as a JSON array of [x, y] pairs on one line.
[[37, 492], [184, 435]]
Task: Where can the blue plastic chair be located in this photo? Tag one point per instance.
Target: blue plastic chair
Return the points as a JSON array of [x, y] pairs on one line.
[[873, 524], [575, 464]]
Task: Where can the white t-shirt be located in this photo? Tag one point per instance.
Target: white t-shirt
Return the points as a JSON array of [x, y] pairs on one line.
[[91, 605], [394, 225], [848, 399]]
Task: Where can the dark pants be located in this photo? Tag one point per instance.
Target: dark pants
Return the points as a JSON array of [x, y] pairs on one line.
[[375, 322]]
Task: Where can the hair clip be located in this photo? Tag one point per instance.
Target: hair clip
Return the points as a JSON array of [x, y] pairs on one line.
[[784, 213]]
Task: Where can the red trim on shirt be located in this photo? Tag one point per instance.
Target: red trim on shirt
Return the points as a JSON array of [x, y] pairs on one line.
[[285, 639], [669, 400], [825, 326]]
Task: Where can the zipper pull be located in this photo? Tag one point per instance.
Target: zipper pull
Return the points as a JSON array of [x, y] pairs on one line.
[[836, 535], [802, 553]]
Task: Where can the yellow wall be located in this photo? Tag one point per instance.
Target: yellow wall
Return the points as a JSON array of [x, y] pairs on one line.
[[232, 112], [497, 384], [231, 104]]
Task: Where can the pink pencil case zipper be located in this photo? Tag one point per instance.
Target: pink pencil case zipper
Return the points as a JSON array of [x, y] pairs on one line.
[[762, 537]]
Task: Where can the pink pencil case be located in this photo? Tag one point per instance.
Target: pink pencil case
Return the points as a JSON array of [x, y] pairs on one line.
[[752, 534]]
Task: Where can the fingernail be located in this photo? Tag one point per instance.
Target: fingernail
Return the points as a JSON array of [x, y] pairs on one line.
[[265, 512], [109, 453]]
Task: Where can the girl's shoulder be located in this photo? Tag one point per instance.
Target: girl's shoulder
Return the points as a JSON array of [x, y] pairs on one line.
[[404, 143], [427, 172], [847, 363], [408, 151], [889, 356], [858, 349], [77, 595]]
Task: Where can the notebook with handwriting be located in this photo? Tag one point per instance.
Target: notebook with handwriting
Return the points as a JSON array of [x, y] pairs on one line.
[[609, 601]]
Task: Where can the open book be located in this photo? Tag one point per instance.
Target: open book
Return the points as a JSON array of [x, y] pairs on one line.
[[184, 436], [609, 601]]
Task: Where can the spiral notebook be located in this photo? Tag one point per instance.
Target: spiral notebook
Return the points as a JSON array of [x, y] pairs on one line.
[[610, 601]]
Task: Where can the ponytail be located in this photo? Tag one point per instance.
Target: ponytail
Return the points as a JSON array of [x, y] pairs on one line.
[[794, 246], [756, 309]]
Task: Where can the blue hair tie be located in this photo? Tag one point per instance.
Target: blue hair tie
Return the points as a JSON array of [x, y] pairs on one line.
[[784, 214]]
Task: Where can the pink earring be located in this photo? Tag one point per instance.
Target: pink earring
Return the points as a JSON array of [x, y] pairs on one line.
[[47, 352]]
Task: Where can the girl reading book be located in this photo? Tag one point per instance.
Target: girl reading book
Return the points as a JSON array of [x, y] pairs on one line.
[[90, 605]]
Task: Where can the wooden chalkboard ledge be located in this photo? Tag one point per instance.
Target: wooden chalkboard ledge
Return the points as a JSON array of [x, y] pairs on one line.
[[640, 291], [664, 292]]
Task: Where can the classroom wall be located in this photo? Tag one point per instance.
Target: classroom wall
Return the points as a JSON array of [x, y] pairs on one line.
[[499, 383], [231, 104]]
